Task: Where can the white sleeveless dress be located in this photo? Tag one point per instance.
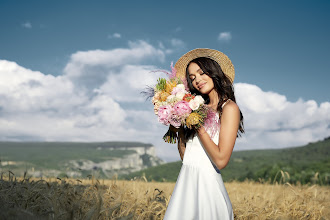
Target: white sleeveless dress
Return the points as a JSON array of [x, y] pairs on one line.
[[199, 192]]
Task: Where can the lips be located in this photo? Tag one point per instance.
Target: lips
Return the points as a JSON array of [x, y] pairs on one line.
[[201, 85]]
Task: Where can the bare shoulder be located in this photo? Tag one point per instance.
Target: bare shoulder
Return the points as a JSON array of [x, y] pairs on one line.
[[230, 109], [230, 106]]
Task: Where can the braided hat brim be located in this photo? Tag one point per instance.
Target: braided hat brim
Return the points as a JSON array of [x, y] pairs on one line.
[[219, 57]]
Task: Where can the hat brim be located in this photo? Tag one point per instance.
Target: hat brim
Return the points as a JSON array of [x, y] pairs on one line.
[[219, 57]]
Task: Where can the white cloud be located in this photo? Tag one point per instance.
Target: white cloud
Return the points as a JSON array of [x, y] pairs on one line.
[[45, 107], [98, 99], [177, 43], [90, 69], [129, 82], [273, 122], [224, 36], [175, 46], [27, 25], [35, 106], [114, 35]]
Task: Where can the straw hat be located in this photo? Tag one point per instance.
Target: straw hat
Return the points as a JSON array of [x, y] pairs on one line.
[[219, 57]]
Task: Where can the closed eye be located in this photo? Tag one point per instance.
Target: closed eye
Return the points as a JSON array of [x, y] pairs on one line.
[[192, 77]]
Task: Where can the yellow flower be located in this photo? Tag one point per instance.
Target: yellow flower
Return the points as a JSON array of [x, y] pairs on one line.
[[163, 96], [193, 119], [170, 85]]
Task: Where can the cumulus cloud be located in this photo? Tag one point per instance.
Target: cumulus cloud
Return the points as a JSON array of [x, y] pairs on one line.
[[175, 46], [271, 121], [45, 107], [114, 35], [177, 42], [90, 69], [224, 36], [129, 81], [36, 106], [97, 98], [27, 25]]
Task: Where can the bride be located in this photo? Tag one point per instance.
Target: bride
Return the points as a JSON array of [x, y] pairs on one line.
[[199, 192]]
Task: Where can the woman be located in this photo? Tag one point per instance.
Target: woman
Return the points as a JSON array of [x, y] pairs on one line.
[[199, 192]]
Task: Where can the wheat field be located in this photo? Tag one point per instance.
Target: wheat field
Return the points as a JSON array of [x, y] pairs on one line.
[[26, 198]]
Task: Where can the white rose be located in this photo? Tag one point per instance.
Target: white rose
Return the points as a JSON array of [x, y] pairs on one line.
[[180, 95], [193, 105], [181, 86], [199, 99], [169, 98]]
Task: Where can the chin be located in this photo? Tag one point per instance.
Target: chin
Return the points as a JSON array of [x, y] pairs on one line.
[[205, 91]]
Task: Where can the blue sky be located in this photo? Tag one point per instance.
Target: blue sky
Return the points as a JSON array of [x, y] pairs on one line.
[[281, 47]]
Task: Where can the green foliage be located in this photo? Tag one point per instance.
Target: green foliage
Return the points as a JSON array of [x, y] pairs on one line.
[[161, 84], [202, 111], [301, 163], [309, 164]]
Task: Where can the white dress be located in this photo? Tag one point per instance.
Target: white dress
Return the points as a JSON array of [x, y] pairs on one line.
[[199, 192]]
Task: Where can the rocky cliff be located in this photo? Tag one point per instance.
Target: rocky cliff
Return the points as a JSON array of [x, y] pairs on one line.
[[76, 159], [143, 157]]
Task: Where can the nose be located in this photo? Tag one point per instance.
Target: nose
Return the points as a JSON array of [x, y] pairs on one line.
[[198, 78]]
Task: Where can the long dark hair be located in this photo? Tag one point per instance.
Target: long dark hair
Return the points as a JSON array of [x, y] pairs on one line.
[[222, 86]]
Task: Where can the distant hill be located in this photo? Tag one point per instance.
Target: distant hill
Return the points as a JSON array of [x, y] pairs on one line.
[[306, 164], [76, 159]]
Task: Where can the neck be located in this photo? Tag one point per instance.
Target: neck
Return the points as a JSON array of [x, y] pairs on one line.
[[214, 99]]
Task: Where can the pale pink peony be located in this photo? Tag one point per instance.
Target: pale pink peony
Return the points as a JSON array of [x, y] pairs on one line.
[[182, 108], [164, 113], [175, 120]]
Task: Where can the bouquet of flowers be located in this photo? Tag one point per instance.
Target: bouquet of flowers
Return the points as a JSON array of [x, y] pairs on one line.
[[175, 105]]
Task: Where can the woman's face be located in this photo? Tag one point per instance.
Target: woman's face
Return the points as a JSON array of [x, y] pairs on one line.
[[200, 80]]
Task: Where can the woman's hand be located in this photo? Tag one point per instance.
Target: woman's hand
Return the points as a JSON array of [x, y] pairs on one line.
[[201, 130], [220, 152]]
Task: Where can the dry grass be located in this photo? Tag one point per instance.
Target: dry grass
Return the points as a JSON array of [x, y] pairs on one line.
[[265, 201], [139, 199]]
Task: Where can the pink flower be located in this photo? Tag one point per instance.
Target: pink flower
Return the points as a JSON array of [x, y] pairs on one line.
[[164, 113], [182, 108], [175, 120]]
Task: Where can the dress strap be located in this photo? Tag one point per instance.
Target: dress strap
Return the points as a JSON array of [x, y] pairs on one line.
[[225, 103]]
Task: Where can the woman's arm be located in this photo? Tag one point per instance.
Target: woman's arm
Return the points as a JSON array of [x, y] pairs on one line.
[[181, 140], [220, 154]]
